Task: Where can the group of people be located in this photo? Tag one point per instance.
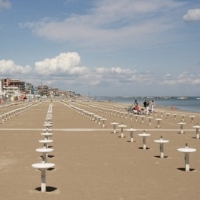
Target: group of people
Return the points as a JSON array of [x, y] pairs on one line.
[[148, 106]]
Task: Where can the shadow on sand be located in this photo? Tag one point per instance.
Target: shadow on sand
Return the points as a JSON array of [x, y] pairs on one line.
[[48, 189], [159, 156], [183, 169], [147, 148]]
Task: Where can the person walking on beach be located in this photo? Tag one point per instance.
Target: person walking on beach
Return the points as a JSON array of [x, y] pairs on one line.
[[153, 104], [146, 106], [136, 103]]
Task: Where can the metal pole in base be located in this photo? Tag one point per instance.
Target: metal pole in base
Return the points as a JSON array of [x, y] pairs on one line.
[[144, 143], [187, 166], [158, 124], [122, 132], [43, 180], [131, 134], [114, 128], [161, 150], [197, 133], [142, 120], [181, 129]]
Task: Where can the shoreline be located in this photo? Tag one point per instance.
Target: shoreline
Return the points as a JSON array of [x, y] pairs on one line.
[[165, 107], [192, 104]]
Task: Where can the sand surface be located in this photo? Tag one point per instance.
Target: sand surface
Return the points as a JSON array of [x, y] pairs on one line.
[[93, 163]]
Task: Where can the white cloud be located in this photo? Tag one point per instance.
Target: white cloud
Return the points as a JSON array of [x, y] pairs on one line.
[[192, 15], [169, 82], [120, 76], [127, 21], [8, 67], [5, 4], [127, 9], [114, 70], [67, 67], [63, 64], [183, 78]]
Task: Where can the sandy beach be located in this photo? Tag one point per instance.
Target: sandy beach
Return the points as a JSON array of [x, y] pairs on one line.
[[92, 162]]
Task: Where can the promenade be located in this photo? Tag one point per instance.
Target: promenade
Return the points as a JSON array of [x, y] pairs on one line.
[[93, 163]]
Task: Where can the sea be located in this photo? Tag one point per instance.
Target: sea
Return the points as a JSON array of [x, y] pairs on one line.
[[189, 104]]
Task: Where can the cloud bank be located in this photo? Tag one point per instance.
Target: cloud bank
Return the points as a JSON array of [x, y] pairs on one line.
[[66, 69]]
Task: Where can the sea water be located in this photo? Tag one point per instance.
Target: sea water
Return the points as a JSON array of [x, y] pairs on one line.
[[191, 104]]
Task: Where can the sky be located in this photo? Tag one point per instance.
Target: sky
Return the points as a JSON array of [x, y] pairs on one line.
[[103, 47]]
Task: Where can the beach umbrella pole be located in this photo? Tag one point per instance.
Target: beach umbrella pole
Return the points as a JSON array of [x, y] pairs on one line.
[[187, 166], [43, 180], [161, 150]]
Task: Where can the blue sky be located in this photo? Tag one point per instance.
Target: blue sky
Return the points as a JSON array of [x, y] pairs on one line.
[[103, 47]]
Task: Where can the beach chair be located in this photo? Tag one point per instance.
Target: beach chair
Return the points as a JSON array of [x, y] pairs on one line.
[[143, 111], [129, 109]]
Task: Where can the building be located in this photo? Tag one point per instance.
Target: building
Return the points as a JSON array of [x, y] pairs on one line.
[[13, 89], [43, 90], [54, 92], [29, 88], [10, 88], [10, 84]]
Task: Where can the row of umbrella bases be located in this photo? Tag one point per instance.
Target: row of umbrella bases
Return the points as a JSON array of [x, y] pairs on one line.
[[186, 150], [162, 116], [43, 166], [9, 114], [7, 105], [119, 111], [101, 120], [94, 117]]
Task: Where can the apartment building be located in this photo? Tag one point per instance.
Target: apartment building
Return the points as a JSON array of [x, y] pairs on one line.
[[13, 83], [43, 90]]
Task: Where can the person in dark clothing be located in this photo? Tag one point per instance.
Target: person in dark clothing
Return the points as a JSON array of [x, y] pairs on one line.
[[146, 106], [135, 103]]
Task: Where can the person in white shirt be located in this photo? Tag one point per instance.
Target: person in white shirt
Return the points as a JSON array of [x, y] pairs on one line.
[[153, 104]]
